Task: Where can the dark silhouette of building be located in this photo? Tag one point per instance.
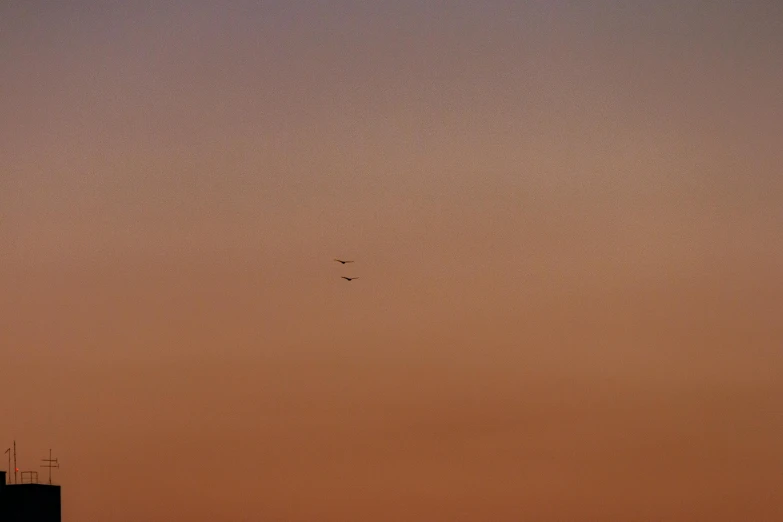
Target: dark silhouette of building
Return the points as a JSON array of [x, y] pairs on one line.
[[29, 502]]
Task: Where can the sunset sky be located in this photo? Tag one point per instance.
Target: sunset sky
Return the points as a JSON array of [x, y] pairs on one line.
[[566, 219]]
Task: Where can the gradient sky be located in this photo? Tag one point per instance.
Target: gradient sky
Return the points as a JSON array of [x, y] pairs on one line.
[[567, 220]]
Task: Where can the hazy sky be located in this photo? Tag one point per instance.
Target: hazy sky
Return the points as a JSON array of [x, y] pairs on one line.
[[566, 218]]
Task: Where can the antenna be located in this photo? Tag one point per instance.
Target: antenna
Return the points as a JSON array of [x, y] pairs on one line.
[[16, 470], [8, 479], [50, 463]]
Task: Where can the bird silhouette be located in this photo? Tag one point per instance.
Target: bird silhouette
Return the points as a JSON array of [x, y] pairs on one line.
[[343, 262], [350, 278]]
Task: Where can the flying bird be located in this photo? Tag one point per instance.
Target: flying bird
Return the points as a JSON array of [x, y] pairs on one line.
[[350, 278], [343, 262]]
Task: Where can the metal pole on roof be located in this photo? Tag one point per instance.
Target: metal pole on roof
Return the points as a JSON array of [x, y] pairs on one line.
[[8, 478], [50, 463]]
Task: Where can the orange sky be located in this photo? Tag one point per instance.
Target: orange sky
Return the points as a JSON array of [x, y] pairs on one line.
[[566, 221]]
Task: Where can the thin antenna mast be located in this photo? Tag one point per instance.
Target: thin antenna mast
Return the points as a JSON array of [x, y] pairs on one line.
[[8, 479], [15, 468], [50, 463]]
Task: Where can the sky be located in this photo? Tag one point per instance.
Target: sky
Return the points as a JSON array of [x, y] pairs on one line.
[[565, 218]]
